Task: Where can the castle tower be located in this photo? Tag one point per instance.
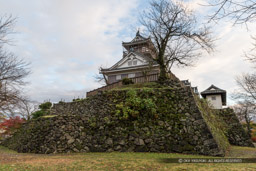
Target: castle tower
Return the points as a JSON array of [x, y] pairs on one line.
[[141, 45], [137, 58]]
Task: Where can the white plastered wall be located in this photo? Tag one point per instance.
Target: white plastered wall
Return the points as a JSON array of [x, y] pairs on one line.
[[217, 103]]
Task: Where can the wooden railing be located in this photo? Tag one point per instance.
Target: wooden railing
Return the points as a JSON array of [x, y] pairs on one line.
[[142, 79]]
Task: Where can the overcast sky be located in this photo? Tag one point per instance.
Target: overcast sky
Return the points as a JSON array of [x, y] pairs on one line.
[[67, 40]]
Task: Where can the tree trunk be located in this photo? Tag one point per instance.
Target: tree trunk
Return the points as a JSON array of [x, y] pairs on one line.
[[163, 75], [248, 125]]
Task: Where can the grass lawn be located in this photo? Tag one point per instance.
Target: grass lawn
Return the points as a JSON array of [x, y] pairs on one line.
[[10, 160]]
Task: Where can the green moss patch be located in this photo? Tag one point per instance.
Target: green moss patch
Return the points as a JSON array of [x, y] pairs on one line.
[[216, 125]]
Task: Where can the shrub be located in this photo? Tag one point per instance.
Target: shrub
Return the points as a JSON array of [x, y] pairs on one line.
[[135, 105], [74, 100], [44, 108], [61, 102], [127, 81], [10, 125], [38, 114], [77, 100]]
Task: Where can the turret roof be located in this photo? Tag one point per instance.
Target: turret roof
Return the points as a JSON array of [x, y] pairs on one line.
[[138, 39], [213, 90]]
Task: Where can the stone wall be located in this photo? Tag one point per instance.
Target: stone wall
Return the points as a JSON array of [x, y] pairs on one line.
[[234, 130], [67, 133], [149, 119]]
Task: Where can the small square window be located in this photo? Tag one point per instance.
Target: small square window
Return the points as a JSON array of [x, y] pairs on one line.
[[124, 76], [131, 75], [118, 77], [135, 62], [129, 63], [213, 98]]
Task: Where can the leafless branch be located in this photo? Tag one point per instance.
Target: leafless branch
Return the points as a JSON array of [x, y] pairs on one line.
[[247, 83], [12, 72], [251, 55], [245, 111], [100, 78], [175, 33], [6, 28], [239, 11], [26, 107]]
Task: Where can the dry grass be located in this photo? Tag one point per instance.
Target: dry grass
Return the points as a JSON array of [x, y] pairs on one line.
[[10, 160]]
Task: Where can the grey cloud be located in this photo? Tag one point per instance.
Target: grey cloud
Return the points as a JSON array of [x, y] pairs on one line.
[[66, 41]]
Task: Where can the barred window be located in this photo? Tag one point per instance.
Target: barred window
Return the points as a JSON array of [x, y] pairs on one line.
[[131, 75], [118, 77], [134, 62]]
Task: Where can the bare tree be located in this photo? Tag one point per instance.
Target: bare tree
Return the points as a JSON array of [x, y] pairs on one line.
[[245, 111], [6, 28], [246, 99], [26, 107], [101, 78], [251, 55], [247, 84], [175, 33], [12, 74], [240, 11], [12, 71]]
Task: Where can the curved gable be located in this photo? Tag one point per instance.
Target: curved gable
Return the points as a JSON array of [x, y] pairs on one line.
[[130, 58]]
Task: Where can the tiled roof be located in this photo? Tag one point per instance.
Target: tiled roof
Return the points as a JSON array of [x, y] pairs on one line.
[[138, 39], [213, 90]]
